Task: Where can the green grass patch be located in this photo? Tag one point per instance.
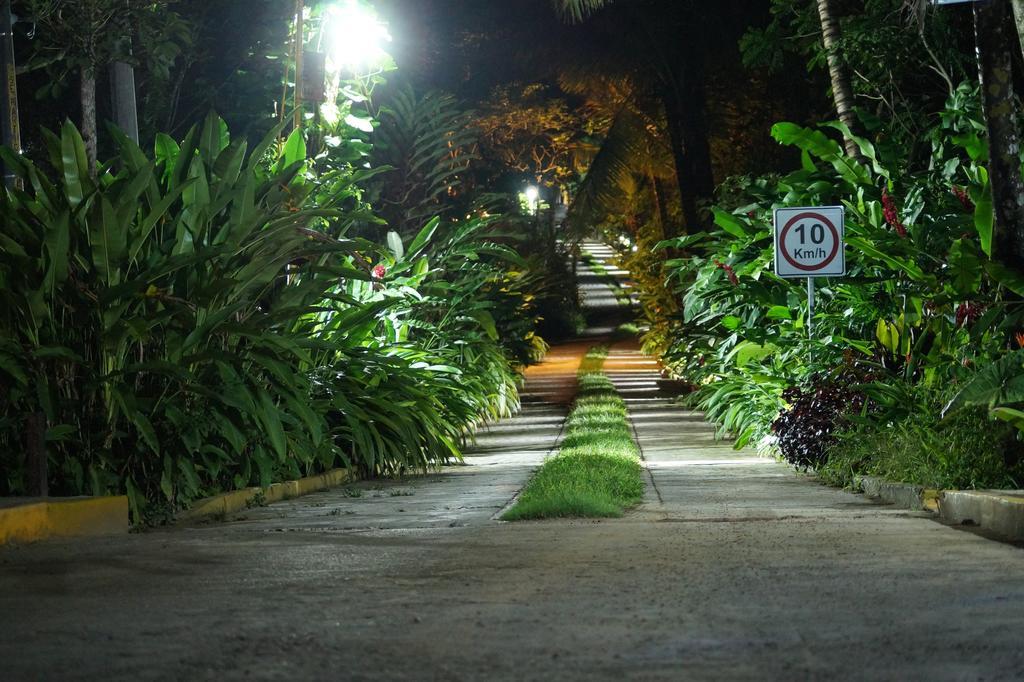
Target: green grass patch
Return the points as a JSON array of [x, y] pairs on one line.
[[627, 330], [597, 471]]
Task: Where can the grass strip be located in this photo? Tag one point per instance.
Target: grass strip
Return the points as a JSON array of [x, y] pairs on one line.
[[622, 296], [597, 471]]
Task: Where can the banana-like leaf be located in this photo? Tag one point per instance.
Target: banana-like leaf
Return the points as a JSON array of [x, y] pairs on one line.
[[999, 383]]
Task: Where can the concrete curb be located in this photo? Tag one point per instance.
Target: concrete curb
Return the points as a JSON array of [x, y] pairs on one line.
[[39, 519], [998, 511], [906, 495], [221, 505]]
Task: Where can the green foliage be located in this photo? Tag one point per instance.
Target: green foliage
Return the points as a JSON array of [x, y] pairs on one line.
[[597, 470], [426, 142], [146, 320], [88, 34], [197, 321], [968, 450], [905, 57], [922, 304]]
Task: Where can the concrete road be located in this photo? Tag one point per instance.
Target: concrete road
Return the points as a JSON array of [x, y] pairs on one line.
[[734, 567]]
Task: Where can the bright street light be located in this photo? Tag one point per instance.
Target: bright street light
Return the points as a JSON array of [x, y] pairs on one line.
[[354, 37]]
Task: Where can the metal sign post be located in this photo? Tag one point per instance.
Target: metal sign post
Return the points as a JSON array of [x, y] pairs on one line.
[[810, 307], [809, 242]]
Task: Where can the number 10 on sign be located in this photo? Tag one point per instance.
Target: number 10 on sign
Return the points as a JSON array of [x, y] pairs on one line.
[[809, 243]]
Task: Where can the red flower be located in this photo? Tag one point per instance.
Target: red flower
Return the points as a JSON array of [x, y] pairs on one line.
[[891, 215], [730, 273], [379, 271], [1019, 338], [961, 194], [968, 312]]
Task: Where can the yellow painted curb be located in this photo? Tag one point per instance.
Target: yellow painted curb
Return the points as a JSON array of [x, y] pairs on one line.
[[930, 499], [77, 516], [237, 500], [998, 511]]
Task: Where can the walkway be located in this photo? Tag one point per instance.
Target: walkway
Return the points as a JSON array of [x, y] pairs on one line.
[[734, 567]]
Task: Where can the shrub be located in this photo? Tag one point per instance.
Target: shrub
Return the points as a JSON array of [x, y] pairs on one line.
[[805, 430], [196, 321], [966, 450]]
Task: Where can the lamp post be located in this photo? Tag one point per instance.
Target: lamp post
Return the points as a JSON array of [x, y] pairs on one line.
[[11, 130]]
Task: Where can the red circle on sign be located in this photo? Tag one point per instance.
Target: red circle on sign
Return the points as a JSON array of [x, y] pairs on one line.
[[824, 221]]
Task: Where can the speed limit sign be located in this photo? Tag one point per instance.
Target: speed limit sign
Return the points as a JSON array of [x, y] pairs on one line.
[[809, 242]]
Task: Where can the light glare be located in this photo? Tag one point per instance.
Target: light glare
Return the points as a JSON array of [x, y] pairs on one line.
[[355, 37]]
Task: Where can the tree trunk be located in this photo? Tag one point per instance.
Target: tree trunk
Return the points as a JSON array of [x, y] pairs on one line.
[[842, 93], [658, 194], [1018, 16], [87, 95], [10, 126], [684, 168], [693, 106], [995, 43]]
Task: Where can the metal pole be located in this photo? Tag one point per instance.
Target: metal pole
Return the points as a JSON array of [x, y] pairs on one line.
[[10, 128], [810, 307], [122, 87]]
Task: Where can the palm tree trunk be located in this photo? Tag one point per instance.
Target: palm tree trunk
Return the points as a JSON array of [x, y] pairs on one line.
[[87, 96], [842, 93], [1018, 17], [658, 195], [995, 44]]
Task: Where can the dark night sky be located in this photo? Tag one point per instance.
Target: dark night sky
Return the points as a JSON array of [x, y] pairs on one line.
[[468, 46]]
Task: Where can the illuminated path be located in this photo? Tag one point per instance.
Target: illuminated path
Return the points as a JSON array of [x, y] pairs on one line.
[[733, 567]]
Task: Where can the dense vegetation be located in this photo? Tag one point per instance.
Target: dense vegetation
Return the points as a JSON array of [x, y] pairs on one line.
[[206, 313], [913, 369]]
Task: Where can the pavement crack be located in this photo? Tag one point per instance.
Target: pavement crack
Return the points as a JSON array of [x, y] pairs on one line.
[[736, 519], [643, 458]]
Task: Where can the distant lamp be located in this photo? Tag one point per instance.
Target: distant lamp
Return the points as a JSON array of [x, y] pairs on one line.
[[532, 196]]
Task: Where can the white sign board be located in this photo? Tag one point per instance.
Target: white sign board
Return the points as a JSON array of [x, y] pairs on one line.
[[809, 242]]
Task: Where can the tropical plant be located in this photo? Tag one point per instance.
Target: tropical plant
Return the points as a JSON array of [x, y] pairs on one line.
[[82, 37], [194, 322], [924, 299], [427, 144]]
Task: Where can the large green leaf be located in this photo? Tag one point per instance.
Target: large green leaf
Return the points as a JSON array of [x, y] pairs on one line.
[[998, 383], [270, 418], [730, 223], [1011, 279], [964, 268], [908, 267], [109, 240], [395, 244], [58, 242], [984, 214], [294, 149], [75, 164], [817, 143]]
